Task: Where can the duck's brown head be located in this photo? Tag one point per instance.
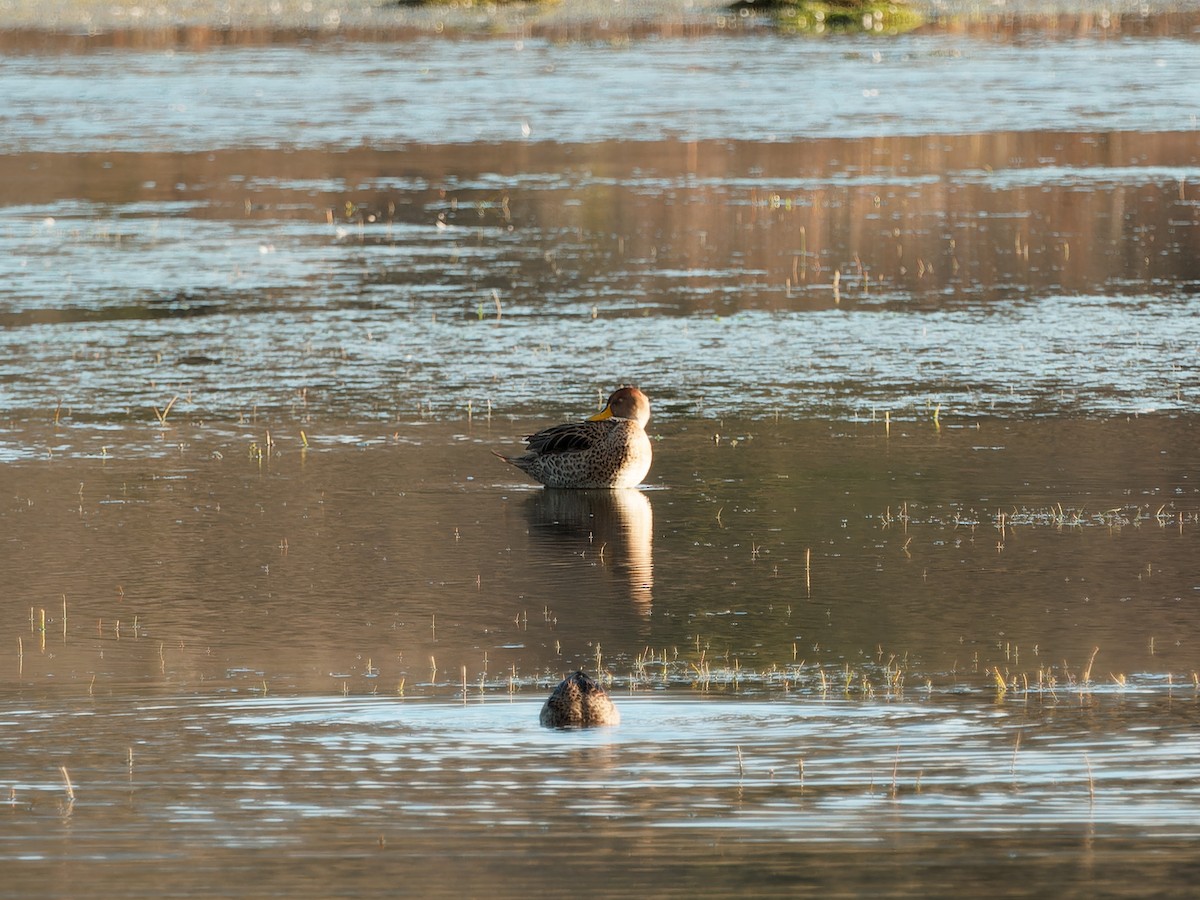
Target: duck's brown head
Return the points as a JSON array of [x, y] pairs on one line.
[[625, 403]]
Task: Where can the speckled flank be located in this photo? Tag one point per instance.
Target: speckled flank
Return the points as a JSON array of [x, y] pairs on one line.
[[610, 450], [579, 702], [618, 456]]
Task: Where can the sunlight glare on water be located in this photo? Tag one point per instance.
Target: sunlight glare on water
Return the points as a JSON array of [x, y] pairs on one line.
[[917, 84]]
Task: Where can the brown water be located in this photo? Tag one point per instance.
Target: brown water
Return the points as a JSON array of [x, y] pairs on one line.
[[956, 551], [906, 606], [261, 665]]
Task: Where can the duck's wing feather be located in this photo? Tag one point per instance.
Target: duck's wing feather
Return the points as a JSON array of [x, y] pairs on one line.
[[574, 437]]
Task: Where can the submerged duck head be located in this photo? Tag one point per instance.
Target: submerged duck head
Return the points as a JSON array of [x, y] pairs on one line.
[[578, 702]]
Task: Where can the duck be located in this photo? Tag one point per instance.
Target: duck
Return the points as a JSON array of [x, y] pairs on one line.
[[607, 450], [579, 702]]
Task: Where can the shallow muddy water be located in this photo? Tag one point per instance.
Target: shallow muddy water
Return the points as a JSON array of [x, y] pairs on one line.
[[285, 796], [212, 225], [844, 657], [905, 607]]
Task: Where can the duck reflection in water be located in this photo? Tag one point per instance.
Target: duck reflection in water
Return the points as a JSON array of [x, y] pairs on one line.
[[579, 702], [615, 528]]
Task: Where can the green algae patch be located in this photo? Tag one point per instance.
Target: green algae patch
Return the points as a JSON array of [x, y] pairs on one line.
[[471, 4], [836, 16]]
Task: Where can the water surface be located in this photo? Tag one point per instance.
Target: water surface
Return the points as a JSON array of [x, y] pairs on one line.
[[851, 660], [905, 606], [985, 222]]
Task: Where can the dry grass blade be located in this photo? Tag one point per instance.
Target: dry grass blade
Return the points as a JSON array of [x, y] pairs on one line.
[[165, 411]]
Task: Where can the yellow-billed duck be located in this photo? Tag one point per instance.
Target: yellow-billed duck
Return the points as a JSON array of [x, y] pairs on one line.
[[608, 450]]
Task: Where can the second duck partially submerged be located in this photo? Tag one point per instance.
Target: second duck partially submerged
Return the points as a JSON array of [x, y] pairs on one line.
[[579, 702]]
